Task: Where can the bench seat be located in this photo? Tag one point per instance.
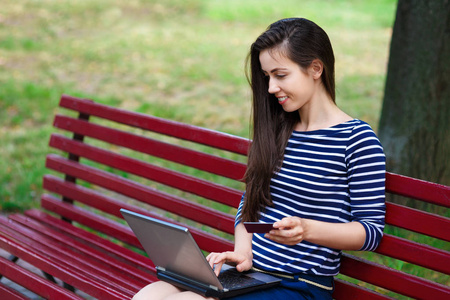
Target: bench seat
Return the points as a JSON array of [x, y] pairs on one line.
[[105, 158]]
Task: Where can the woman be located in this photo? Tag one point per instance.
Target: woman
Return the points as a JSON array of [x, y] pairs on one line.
[[312, 169]]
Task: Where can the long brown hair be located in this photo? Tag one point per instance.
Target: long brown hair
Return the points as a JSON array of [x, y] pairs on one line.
[[301, 41]]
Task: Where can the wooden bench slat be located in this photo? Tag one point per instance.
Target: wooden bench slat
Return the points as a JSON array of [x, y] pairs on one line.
[[349, 291], [192, 133], [68, 257], [418, 221], [205, 241], [415, 253], [89, 219], [9, 293], [31, 281], [391, 279], [28, 254], [184, 208], [121, 232], [95, 241], [418, 189], [191, 184], [102, 259], [199, 160]]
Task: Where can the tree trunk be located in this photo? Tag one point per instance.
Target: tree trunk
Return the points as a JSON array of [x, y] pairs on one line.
[[415, 120]]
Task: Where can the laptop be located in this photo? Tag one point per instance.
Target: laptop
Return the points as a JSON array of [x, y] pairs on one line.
[[179, 260]]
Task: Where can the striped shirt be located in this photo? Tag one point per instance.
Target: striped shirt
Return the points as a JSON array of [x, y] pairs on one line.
[[333, 175]]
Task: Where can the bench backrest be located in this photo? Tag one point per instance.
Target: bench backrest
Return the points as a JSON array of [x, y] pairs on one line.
[[189, 175]]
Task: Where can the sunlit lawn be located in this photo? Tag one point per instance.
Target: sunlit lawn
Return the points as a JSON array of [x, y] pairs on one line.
[[178, 59]]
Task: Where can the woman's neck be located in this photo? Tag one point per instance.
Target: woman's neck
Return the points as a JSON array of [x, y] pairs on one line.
[[321, 113]]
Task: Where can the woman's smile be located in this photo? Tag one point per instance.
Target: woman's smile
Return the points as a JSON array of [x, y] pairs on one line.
[[283, 100]]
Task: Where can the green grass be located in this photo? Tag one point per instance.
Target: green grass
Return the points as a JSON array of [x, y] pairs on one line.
[[182, 60]]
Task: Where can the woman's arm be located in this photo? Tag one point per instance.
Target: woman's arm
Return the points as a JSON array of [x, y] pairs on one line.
[[242, 240], [366, 179], [241, 256], [343, 236]]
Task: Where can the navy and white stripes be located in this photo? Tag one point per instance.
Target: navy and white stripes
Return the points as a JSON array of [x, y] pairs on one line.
[[332, 175]]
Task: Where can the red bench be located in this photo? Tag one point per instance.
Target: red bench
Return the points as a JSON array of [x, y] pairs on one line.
[[112, 158]]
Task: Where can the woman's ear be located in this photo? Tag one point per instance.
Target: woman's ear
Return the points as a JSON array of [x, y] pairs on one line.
[[316, 68]]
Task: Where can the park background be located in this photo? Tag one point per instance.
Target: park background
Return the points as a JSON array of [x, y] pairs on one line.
[[178, 59]]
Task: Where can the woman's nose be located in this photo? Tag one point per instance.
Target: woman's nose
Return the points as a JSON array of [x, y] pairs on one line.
[[273, 87]]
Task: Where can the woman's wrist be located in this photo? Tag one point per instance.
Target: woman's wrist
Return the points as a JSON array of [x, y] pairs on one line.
[[307, 228], [345, 236]]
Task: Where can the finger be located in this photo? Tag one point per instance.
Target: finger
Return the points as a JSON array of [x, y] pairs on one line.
[[286, 237], [283, 223], [277, 225], [211, 258], [289, 222], [211, 255], [217, 268], [244, 266], [218, 260]]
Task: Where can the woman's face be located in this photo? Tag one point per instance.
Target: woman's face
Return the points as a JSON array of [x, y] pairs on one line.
[[293, 86]]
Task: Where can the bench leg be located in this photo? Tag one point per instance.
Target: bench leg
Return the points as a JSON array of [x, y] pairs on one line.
[[69, 287], [49, 277], [13, 258]]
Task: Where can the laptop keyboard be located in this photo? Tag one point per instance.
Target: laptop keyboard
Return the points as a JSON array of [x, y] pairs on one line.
[[232, 279]]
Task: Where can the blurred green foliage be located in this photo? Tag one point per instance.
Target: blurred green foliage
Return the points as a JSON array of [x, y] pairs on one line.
[[180, 59]]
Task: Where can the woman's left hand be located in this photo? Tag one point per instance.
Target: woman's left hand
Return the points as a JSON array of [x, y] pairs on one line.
[[287, 231]]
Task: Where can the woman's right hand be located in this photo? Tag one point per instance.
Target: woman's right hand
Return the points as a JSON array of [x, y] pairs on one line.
[[242, 261]]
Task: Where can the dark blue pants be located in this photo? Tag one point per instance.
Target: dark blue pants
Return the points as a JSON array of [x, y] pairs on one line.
[[290, 289]]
